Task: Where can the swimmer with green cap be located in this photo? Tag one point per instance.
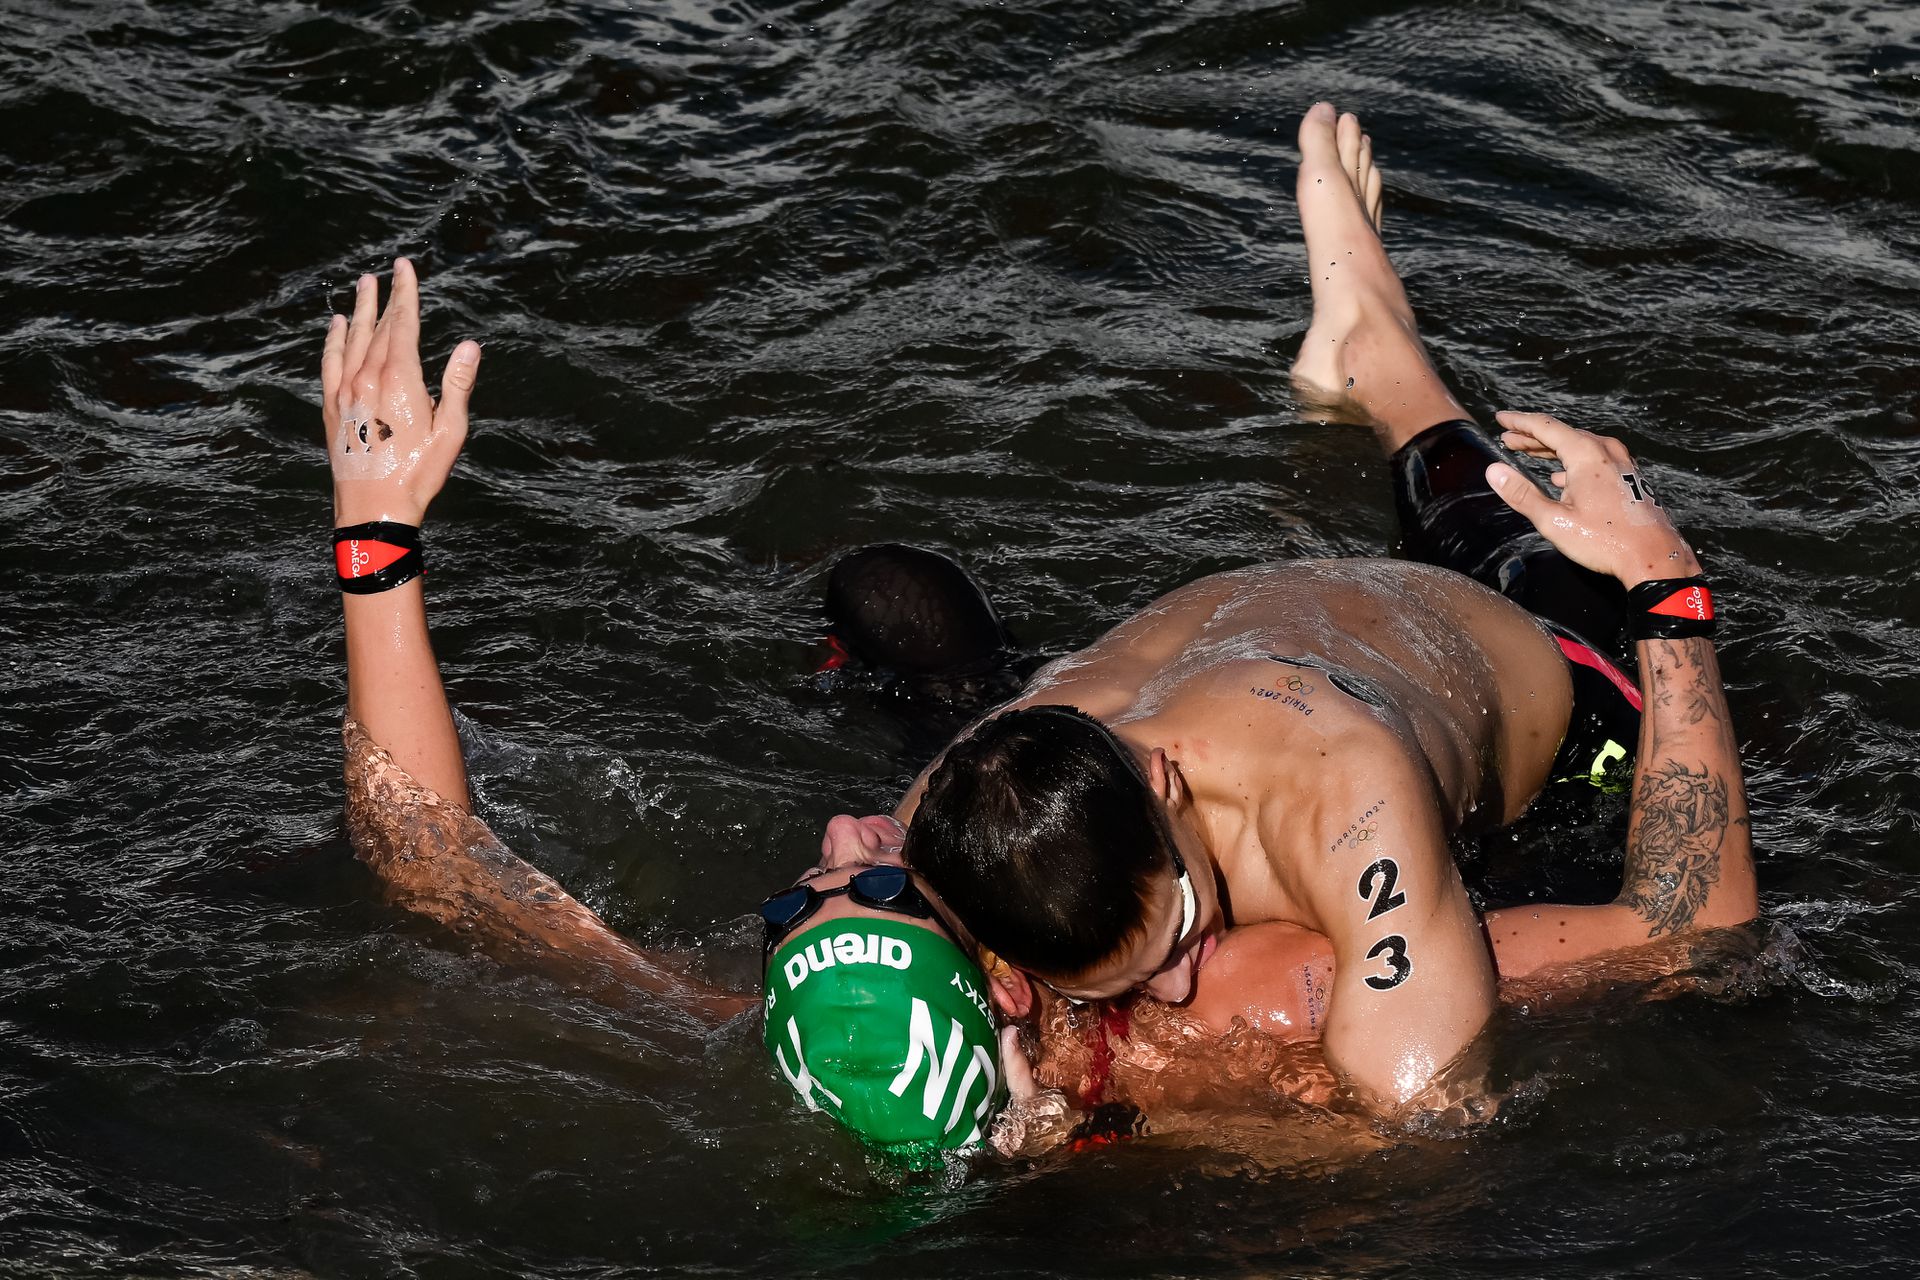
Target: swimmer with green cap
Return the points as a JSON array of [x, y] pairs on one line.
[[875, 1013]]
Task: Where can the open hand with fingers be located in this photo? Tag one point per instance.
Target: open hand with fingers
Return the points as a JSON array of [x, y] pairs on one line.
[[1605, 517], [390, 445]]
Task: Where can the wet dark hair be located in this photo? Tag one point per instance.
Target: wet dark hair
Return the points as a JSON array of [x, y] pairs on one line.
[[1040, 832], [914, 612]]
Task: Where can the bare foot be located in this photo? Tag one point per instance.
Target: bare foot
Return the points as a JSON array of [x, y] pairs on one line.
[[1361, 360]]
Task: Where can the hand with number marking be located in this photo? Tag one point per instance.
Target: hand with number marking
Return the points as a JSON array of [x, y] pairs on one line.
[[390, 446], [1605, 517]]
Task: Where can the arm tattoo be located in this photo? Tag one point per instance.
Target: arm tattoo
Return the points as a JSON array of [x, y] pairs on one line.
[[1673, 855], [1684, 689], [1688, 842]]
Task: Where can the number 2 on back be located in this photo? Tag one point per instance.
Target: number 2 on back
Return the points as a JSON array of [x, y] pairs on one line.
[[1387, 873]]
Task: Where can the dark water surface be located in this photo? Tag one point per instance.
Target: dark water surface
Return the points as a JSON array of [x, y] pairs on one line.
[[763, 281]]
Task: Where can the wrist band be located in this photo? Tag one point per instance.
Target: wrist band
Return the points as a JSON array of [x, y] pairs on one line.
[[376, 556], [1670, 609]]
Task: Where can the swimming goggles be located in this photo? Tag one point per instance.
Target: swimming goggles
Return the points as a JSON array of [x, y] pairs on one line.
[[883, 888]]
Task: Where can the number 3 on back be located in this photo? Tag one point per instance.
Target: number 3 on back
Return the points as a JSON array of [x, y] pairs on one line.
[[1394, 947]]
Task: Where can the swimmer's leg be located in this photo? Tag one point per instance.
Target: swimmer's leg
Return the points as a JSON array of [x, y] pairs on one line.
[[1362, 359]]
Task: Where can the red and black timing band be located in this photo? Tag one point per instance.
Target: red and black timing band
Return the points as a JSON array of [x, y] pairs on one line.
[[376, 556], [1670, 609]]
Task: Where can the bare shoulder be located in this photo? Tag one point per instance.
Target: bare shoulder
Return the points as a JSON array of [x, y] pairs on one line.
[[1273, 976], [1358, 803], [1276, 724], [1333, 614]]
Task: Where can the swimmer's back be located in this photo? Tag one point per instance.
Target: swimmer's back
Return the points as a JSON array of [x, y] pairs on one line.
[[1468, 680]]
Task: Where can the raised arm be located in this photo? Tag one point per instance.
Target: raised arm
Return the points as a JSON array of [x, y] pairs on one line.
[[391, 448], [1689, 856], [408, 810]]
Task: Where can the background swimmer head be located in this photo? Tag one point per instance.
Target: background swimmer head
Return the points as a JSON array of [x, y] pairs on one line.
[[914, 631], [914, 612], [876, 1014]]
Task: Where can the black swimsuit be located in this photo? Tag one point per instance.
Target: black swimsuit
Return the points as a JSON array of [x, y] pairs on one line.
[[1450, 516]]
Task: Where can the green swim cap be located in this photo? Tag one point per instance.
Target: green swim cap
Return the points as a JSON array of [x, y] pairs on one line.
[[885, 1026]]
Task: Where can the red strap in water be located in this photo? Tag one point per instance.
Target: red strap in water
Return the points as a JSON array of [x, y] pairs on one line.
[[1106, 1122], [1113, 1021], [1106, 1125], [1588, 656], [837, 659]]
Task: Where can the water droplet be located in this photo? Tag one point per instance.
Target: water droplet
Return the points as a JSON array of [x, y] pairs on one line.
[[1349, 382]]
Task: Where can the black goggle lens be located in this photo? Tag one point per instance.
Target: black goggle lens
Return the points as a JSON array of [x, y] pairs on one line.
[[879, 886], [889, 888], [782, 909]]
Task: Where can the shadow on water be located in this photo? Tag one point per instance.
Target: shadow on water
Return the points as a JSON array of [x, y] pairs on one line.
[[761, 283]]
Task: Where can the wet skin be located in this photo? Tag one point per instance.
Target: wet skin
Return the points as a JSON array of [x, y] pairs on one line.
[[1299, 721], [1308, 726], [1398, 758], [1314, 732]]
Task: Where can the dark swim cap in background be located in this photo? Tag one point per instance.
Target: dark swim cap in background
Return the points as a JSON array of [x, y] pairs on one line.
[[914, 611]]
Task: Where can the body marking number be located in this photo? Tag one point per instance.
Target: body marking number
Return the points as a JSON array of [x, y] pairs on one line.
[[1387, 873], [1395, 948]]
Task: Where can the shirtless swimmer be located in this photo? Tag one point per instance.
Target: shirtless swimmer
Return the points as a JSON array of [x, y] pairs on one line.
[[1297, 742]]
